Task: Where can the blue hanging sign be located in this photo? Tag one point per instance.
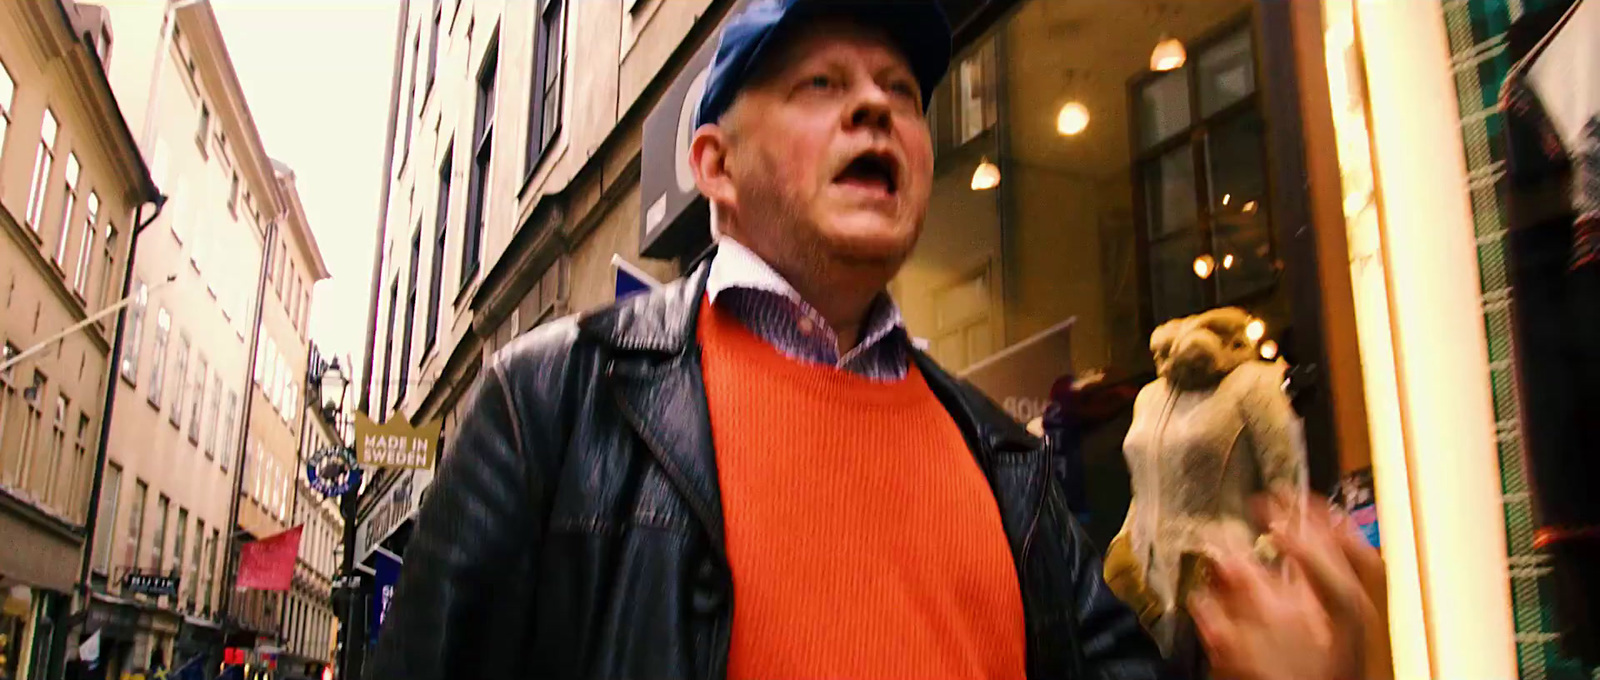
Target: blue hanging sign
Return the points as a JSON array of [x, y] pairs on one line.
[[333, 472]]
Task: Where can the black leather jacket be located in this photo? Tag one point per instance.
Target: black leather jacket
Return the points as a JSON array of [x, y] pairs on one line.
[[575, 527]]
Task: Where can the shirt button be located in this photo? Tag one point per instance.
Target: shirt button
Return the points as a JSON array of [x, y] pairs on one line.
[[807, 326]]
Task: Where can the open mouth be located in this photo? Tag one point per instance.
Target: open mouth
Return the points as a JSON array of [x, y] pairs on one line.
[[877, 171]]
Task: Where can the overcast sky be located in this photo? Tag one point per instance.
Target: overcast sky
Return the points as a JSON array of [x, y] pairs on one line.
[[316, 73]]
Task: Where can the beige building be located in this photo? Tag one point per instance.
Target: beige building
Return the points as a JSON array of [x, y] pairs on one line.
[[308, 617], [278, 421], [72, 186], [180, 427]]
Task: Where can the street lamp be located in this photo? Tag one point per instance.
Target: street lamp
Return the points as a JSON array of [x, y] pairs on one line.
[[334, 381]]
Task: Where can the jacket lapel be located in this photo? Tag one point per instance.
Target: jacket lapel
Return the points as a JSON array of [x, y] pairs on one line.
[[655, 376]]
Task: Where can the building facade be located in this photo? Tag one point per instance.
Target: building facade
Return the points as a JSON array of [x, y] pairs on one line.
[[169, 513], [1100, 167], [72, 188]]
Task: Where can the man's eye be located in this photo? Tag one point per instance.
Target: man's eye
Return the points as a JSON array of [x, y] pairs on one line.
[[904, 89], [820, 83]]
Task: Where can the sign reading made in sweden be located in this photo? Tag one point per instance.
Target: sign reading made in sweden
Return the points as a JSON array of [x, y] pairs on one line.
[[396, 443]]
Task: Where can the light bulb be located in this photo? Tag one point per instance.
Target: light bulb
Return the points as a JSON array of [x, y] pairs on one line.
[[1255, 330], [1227, 261], [1204, 265], [1249, 207], [1226, 198], [1074, 117], [1269, 350], [986, 177], [1168, 55]]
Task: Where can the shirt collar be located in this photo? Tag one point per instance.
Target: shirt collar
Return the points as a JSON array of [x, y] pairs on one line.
[[736, 267]]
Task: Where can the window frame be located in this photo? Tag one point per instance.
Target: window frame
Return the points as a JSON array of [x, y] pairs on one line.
[[441, 236], [541, 136], [485, 112], [1194, 137], [43, 166]]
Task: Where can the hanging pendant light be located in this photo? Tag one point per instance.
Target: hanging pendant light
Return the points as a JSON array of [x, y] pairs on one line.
[[1168, 54], [1074, 117], [987, 176], [1204, 265]]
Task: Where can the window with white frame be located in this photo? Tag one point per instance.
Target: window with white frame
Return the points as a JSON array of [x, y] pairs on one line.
[[91, 214], [69, 201], [8, 91], [43, 162], [197, 394], [180, 367], [135, 329], [159, 349]]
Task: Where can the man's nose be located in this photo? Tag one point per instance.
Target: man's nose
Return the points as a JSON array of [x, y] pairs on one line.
[[871, 109]]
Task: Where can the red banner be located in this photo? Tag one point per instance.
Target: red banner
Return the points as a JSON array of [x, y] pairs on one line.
[[268, 564]]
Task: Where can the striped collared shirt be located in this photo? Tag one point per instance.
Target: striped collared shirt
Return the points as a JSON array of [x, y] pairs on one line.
[[743, 284]]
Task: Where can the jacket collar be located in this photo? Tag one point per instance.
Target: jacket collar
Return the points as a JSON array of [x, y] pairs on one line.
[[661, 321]]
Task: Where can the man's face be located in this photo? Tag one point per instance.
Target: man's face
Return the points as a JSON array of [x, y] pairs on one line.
[[828, 150]]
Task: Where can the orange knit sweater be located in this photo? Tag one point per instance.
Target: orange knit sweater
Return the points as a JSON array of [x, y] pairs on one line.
[[862, 537]]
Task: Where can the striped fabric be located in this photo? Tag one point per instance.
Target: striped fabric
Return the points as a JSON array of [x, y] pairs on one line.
[[759, 297]]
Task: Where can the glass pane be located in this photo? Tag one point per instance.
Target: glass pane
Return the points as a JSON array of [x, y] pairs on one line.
[[1170, 194], [1163, 108], [1174, 288], [1227, 72], [1241, 230]]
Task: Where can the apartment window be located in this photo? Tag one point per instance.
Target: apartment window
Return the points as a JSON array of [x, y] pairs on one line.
[[214, 411], [388, 348], [433, 47], [135, 537], [483, 150], [201, 130], [411, 97], [22, 473], [91, 215], [80, 470], [441, 228], [197, 387], [233, 196], [9, 464], [179, 541], [227, 427], [134, 329], [158, 545], [105, 526], [43, 162], [210, 567], [51, 479], [159, 351], [550, 65], [110, 256], [180, 367], [8, 91], [411, 315], [261, 354], [70, 201], [192, 579]]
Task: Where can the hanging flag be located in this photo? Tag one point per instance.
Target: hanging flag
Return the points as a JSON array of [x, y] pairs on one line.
[[89, 651], [268, 564]]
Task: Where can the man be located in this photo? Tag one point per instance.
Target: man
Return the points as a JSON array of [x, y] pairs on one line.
[[752, 472]]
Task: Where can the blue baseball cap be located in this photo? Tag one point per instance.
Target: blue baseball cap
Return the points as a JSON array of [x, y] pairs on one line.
[[918, 27]]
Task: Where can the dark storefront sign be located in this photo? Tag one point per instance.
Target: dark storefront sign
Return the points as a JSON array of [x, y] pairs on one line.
[[673, 217], [150, 584], [385, 574]]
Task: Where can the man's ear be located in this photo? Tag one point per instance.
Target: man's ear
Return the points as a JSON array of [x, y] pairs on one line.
[[708, 159]]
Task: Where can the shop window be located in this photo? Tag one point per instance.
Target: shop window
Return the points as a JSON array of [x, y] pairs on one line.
[[1078, 237], [1200, 173]]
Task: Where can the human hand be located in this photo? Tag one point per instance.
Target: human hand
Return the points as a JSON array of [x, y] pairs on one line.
[[1321, 616]]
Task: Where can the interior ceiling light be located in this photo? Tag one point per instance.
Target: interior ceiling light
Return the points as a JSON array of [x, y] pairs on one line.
[[1227, 261], [1204, 265], [1255, 330], [1249, 207], [1269, 350], [987, 176], [1168, 55], [1074, 117]]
